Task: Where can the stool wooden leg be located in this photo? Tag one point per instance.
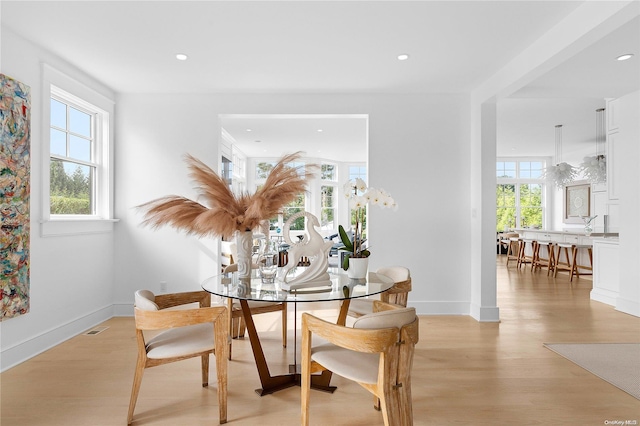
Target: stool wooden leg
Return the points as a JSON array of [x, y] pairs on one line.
[[556, 262], [520, 253], [552, 262], [574, 264]]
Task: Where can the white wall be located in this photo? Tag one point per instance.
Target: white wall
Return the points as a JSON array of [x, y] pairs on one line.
[[628, 141], [418, 151], [71, 283]]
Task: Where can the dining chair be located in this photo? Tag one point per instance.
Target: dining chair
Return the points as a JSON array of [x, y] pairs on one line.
[[237, 326], [398, 294], [377, 353], [185, 332]]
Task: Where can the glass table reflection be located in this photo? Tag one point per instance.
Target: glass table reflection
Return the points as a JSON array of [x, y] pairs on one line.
[[339, 287]]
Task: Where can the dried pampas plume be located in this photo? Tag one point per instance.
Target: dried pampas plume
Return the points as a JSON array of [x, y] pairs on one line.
[[226, 212]]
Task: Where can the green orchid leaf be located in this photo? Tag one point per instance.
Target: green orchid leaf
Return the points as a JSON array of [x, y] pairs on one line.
[[345, 263], [345, 239]]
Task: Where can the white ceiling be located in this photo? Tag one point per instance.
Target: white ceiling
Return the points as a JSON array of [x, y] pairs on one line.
[[318, 47]]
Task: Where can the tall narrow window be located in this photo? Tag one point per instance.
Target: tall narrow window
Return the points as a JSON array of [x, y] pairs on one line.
[[358, 172], [328, 206], [227, 172], [73, 166], [520, 194], [77, 195]]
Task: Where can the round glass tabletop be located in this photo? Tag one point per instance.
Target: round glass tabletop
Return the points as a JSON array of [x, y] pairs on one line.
[[338, 287]]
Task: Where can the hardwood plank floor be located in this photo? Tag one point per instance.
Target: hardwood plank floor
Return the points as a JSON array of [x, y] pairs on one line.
[[465, 372]]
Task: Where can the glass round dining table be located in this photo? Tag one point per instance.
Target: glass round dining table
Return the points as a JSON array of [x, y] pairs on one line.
[[338, 287]]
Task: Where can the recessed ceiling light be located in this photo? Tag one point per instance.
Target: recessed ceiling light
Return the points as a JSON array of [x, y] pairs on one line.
[[624, 57], [403, 57], [258, 141], [319, 130], [248, 130], [181, 57]]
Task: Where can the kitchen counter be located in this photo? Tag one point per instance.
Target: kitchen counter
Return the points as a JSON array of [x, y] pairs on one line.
[[576, 232]]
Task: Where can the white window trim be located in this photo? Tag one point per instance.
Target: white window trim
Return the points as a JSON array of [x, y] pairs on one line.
[[53, 82], [527, 181]]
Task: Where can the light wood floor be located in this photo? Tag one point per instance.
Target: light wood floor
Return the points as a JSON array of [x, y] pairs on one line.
[[465, 373]]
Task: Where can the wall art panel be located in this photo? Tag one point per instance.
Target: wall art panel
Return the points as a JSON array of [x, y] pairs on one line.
[[15, 167]]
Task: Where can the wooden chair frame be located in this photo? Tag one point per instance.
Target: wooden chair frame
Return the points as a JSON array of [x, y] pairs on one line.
[[165, 319], [392, 392], [398, 294]]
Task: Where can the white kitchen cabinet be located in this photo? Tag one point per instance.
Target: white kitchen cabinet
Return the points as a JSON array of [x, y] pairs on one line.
[[606, 270]]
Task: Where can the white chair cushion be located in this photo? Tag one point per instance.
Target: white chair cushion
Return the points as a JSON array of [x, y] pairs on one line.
[[386, 319], [355, 366], [181, 341], [396, 273], [144, 299]]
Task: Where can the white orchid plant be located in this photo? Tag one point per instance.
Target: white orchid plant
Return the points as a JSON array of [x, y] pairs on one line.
[[359, 196]]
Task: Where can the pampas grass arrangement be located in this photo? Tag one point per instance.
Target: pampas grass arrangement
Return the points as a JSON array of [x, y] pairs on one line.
[[226, 212]]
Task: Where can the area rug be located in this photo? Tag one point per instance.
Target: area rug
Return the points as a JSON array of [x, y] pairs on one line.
[[617, 363]]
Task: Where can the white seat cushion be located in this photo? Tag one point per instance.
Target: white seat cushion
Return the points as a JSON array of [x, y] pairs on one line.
[[357, 366], [396, 273], [386, 319], [181, 341], [352, 365]]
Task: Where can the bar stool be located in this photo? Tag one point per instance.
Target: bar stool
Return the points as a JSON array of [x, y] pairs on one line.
[[504, 238], [575, 267], [539, 261], [513, 249], [523, 257], [565, 265]]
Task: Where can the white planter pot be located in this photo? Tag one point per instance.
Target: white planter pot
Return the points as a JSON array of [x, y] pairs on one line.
[[358, 267]]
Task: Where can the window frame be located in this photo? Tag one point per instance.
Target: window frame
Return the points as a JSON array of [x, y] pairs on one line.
[[517, 181], [62, 87]]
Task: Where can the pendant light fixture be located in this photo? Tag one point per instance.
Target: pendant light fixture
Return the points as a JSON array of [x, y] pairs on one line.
[[594, 168], [562, 173]]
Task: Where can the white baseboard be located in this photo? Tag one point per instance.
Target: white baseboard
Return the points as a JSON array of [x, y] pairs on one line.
[[22, 351], [123, 309], [485, 313], [440, 308], [627, 306], [604, 296]]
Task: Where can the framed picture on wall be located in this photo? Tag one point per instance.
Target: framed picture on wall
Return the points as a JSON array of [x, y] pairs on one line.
[[577, 202]]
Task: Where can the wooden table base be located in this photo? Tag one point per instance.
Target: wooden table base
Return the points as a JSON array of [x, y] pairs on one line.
[[271, 384]]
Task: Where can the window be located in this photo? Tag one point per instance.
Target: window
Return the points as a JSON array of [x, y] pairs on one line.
[[263, 169], [77, 195], [354, 173], [519, 194], [328, 207], [226, 170], [72, 166], [328, 172], [358, 172], [277, 223]]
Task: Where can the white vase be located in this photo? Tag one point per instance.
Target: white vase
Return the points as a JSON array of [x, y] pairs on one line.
[[358, 267], [244, 243]]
